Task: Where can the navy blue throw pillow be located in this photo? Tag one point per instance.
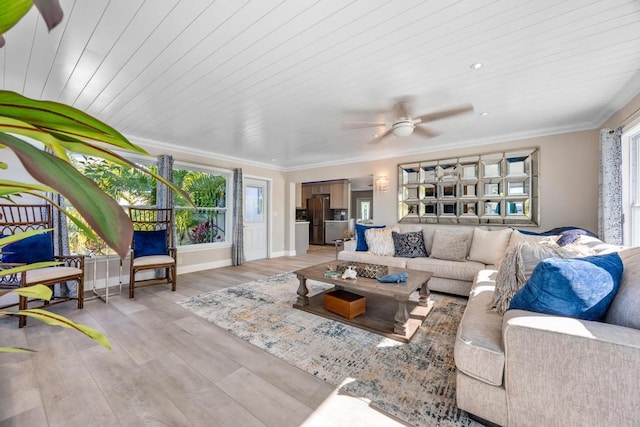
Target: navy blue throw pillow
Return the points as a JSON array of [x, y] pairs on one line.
[[575, 287], [361, 241], [409, 245], [38, 248], [146, 243]]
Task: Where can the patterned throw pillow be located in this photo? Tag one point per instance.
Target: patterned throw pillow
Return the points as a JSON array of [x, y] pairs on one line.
[[450, 246], [409, 245], [380, 241]]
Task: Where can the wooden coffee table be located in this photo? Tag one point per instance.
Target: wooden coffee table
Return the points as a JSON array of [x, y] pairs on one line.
[[399, 321]]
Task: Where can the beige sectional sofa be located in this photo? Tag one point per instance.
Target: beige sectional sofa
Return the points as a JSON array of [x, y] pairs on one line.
[[454, 277], [530, 369]]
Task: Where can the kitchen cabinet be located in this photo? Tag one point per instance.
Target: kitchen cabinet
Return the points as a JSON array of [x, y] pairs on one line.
[[334, 230], [305, 194], [339, 195], [320, 189]]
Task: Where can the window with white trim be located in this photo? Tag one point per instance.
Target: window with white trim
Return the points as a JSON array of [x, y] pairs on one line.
[[631, 186], [209, 189]]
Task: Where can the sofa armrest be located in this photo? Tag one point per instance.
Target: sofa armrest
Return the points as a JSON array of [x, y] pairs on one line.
[[564, 371], [350, 245]]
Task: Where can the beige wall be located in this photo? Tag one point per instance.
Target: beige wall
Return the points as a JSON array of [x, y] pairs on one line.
[[568, 184], [627, 116]]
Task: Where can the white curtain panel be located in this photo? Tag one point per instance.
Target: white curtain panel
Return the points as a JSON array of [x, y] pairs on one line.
[[610, 187]]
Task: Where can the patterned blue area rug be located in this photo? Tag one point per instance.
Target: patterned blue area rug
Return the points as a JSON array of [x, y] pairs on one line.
[[414, 382]]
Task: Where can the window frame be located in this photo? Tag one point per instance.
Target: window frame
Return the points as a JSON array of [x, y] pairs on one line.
[[228, 208], [631, 186]]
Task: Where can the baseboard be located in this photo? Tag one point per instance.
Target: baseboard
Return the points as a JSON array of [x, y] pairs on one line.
[[281, 254], [183, 269]]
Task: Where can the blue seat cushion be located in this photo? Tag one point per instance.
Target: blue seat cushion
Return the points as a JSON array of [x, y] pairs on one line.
[[576, 287], [360, 240], [38, 248], [146, 243]]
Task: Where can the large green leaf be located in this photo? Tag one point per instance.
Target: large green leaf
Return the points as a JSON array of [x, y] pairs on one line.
[[35, 291], [10, 13], [15, 187], [101, 212], [10, 125], [22, 235], [60, 120], [15, 350], [50, 10], [90, 150], [56, 320], [27, 267]]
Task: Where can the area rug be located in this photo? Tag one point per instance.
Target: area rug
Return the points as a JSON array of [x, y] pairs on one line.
[[414, 382]]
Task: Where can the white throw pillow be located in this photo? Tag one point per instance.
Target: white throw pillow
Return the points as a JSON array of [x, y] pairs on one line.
[[450, 246], [380, 241], [488, 247]]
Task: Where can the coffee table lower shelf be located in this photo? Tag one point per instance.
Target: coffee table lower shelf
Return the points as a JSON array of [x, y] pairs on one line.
[[379, 315]]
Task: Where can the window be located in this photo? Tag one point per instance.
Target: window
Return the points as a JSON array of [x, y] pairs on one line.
[[631, 186], [209, 221], [208, 189]]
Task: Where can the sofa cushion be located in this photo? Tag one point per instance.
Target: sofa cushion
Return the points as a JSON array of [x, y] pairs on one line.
[[36, 248], [460, 270], [479, 351], [516, 267], [409, 245], [147, 243], [369, 258], [580, 287], [489, 247], [450, 246], [429, 231], [360, 239], [625, 307], [380, 241]]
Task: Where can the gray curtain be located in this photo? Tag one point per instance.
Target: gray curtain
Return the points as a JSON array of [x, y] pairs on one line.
[[60, 239], [610, 217], [237, 245], [164, 195]]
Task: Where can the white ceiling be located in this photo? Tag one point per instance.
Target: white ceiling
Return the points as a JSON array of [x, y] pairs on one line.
[[273, 82]]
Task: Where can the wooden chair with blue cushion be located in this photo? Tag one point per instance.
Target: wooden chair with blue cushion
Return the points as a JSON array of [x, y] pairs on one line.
[[16, 218], [152, 246]]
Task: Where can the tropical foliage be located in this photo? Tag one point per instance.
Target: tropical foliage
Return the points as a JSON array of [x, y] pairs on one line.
[[61, 129]]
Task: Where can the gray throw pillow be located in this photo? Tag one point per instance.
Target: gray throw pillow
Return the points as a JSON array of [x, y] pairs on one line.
[[450, 246], [409, 245]]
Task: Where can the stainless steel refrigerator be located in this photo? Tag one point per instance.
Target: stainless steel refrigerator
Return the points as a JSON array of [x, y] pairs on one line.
[[317, 212]]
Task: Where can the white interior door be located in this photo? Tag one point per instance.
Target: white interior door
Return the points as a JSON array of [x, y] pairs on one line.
[[255, 219]]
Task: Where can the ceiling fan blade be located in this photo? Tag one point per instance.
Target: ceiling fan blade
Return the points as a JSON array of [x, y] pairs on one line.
[[425, 132], [361, 125], [379, 138], [401, 109], [443, 114]]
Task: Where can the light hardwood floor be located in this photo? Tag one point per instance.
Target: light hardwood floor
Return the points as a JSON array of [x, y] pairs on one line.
[[168, 367]]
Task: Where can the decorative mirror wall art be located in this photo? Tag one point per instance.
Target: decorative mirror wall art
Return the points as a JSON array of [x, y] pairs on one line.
[[495, 188]]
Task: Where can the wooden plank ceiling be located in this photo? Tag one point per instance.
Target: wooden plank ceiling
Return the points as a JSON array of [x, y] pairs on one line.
[[274, 82]]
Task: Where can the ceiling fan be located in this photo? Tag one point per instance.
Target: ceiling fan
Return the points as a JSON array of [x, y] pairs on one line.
[[406, 124]]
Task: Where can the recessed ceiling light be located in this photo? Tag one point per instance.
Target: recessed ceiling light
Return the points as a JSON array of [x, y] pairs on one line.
[[484, 113], [273, 160], [476, 65], [375, 135]]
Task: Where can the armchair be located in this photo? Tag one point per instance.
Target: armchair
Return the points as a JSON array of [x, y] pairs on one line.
[[152, 246], [21, 218]]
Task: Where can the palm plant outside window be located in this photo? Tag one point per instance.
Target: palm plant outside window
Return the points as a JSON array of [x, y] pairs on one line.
[[206, 223]]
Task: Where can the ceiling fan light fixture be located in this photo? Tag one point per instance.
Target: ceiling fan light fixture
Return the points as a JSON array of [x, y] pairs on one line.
[[402, 128]]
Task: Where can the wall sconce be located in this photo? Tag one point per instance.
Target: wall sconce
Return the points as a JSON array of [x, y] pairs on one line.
[[382, 183]]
